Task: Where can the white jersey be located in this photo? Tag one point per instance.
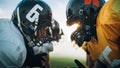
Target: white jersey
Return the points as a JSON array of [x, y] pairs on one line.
[[12, 46]]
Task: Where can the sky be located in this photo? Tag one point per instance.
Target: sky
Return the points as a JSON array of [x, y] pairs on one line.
[[64, 47]]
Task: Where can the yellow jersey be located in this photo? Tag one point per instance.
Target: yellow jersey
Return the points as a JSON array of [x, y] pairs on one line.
[[107, 47]]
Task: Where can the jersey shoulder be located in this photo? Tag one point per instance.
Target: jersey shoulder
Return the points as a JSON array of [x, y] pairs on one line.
[[8, 32]]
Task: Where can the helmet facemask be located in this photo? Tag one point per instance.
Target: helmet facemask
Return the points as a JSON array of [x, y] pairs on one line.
[[84, 32], [78, 35], [56, 31]]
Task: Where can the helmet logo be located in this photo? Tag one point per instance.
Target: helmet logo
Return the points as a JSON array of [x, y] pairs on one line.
[[33, 14], [94, 2]]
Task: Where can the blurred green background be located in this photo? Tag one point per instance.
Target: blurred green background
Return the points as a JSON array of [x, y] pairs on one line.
[[64, 55], [64, 62]]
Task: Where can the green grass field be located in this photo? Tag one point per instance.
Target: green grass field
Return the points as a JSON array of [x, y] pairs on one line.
[[64, 62], [64, 55]]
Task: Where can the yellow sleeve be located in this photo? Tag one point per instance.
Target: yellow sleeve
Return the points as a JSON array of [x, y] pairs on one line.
[[92, 48], [84, 46]]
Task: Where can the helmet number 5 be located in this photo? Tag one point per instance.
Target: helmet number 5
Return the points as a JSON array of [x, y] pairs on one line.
[[33, 13]]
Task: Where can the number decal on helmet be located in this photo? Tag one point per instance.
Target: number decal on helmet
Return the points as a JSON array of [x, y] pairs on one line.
[[33, 13], [95, 2], [104, 55]]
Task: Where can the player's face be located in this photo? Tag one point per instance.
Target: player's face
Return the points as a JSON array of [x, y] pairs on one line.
[[41, 33]]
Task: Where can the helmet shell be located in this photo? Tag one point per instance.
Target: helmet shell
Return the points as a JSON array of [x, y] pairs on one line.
[[30, 14]]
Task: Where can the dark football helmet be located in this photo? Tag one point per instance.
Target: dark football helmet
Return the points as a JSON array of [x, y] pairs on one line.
[[86, 12], [30, 16]]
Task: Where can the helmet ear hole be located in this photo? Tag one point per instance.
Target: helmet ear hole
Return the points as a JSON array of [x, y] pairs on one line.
[[81, 11], [25, 23]]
